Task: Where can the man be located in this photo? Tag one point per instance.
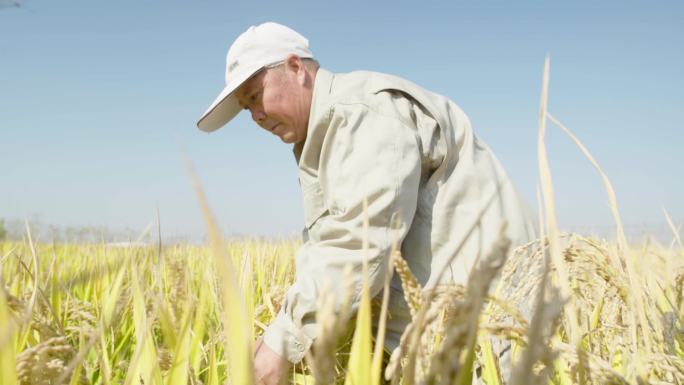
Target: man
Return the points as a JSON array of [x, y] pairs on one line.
[[428, 181]]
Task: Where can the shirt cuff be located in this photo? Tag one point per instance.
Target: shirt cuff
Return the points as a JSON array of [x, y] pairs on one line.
[[286, 339]]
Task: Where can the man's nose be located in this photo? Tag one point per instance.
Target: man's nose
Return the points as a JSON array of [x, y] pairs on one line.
[[257, 115]]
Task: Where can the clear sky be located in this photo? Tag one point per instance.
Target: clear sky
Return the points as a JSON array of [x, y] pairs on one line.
[[98, 97]]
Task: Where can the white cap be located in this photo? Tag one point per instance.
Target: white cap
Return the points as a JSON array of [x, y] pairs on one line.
[[254, 49]]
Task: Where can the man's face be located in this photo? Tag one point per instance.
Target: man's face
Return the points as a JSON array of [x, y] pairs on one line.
[[279, 101]]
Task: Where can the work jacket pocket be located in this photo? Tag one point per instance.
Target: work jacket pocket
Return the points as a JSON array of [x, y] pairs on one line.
[[314, 203]]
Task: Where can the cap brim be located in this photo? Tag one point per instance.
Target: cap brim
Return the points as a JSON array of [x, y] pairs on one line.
[[225, 107]]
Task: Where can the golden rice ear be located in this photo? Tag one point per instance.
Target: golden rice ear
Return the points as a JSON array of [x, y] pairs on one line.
[[332, 319], [321, 358], [456, 354], [44, 362], [413, 292], [542, 328]]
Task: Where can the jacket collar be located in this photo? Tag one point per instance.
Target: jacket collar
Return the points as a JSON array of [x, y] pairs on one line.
[[308, 153]]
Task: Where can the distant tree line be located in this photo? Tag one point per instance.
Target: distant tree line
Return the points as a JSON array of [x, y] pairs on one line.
[[15, 230]]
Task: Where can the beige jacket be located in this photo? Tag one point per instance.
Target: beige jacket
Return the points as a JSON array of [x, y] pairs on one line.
[[413, 155]]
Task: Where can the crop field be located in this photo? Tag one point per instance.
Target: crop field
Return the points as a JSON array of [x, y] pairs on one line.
[[94, 314], [564, 309]]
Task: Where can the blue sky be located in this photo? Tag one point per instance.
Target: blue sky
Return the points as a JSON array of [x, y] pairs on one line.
[[97, 98]]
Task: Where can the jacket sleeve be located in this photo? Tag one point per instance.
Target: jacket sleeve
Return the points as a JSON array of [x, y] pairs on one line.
[[366, 155]]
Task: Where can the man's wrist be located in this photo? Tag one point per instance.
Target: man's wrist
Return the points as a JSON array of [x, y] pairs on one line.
[[285, 339]]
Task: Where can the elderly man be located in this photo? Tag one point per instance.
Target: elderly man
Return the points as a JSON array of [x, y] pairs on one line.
[[428, 181]]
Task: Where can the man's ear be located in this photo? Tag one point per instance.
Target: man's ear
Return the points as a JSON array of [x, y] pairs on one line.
[[295, 66]]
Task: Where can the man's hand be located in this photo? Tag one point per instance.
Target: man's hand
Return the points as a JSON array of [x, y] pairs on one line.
[[269, 367]]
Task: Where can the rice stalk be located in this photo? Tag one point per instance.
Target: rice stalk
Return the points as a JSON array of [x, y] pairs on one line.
[[455, 357], [550, 210], [7, 355], [675, 230], [332, 326], [236, 317], [378, 355], [144, 367], [179, 372], [360, 358], [637, 295]]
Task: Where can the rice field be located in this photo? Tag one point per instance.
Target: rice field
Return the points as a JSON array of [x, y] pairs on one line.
[[94, 314], [569, 308]]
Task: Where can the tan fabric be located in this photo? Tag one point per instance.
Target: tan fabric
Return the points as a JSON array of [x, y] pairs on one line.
[[413, 155]]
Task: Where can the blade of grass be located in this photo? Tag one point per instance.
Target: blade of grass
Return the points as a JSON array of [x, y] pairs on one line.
[[636, 289], [552, 223], [359, 367], [76, 372], [236, 319], [212, 374], [490, 367], [376, 365], [612, 198], [200, 325], [104, 361], [550, 210], [178, 374], [144, 364], [26, 318], [7, 357], [675, 230], [110, 299]]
